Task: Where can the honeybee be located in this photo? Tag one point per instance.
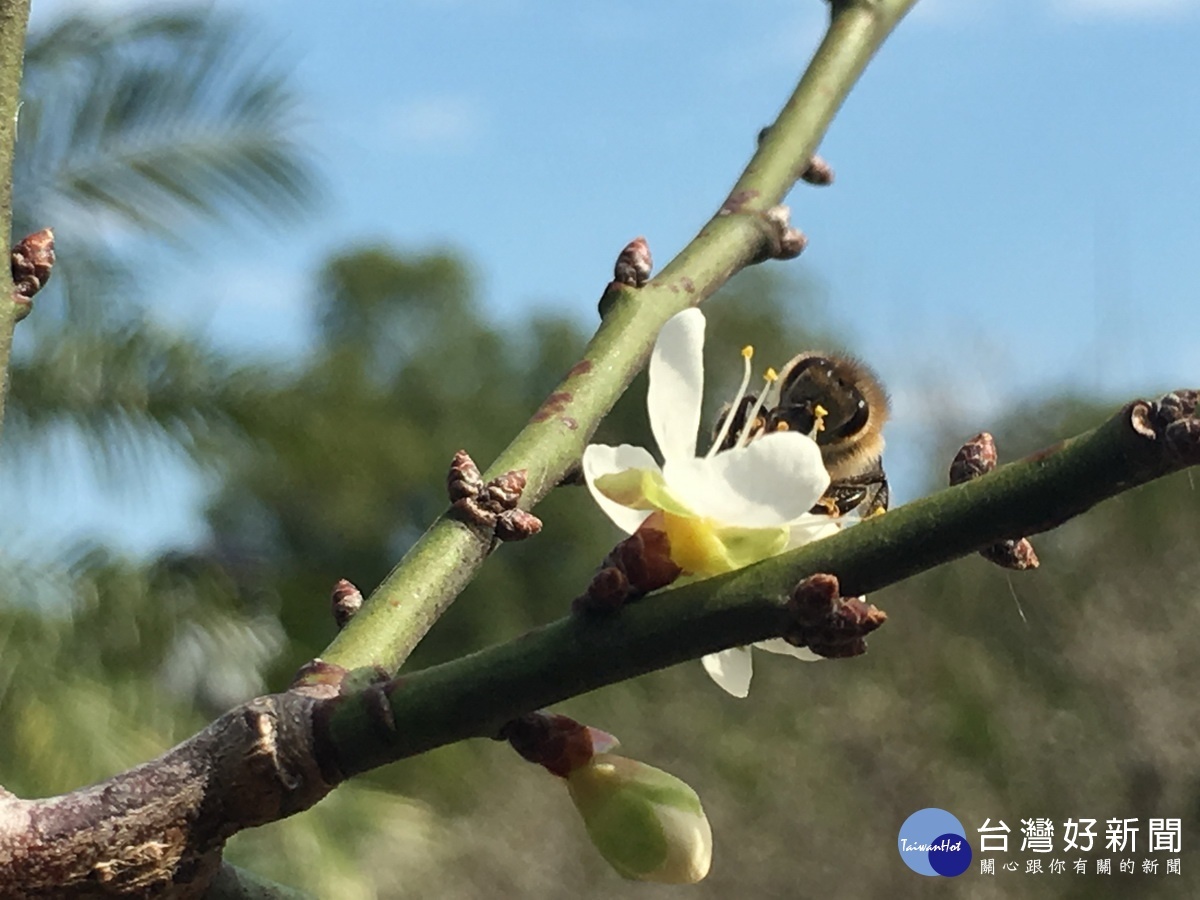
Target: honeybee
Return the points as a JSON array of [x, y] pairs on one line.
[[841, 403]]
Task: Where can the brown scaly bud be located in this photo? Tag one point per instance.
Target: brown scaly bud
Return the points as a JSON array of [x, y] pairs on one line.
[[464, 479], [471, 511], [1171, 419], [345, 600], [517, 525], [634, 264], [787, 242], [975, 458], [607, 592], [465, 486], [505, 490], [638, 565], [32, 259], [492, 505], [1017, 555], [558, 743], [818, 172], [827, 623]]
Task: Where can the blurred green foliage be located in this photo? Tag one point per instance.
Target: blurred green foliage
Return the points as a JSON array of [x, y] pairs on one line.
[[1065, 692]]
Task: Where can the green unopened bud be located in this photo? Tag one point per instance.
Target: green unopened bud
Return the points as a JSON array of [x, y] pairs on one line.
[[647, 823]]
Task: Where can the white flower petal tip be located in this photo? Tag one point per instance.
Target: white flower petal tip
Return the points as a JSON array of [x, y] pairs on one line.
[[731, 669], [783, 648], [677, 384], [646, 823]]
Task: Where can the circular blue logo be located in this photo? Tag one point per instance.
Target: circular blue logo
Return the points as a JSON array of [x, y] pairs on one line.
[[933, 842]]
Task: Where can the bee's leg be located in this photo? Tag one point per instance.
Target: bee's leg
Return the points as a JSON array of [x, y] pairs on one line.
[[879, 503], [848, 494]]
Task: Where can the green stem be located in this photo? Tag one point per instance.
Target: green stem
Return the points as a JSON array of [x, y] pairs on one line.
[[475, 695], [425, 582], [14, 16]]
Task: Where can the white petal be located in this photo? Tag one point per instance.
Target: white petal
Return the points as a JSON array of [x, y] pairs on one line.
[[811, 528], [601, 459], [677, 384], [783, 648], [731, 669], [774, 481]]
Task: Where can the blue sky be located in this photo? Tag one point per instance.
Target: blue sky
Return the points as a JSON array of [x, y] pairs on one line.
[[1014, 212]]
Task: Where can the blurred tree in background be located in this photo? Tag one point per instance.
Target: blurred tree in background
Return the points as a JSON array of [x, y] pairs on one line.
[[1058, 693]]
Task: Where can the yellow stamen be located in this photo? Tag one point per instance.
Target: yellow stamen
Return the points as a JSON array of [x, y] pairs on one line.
[[747, 353], [770, 376], [819, 414], [782, 426]]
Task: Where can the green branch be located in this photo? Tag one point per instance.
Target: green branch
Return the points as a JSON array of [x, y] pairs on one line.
[[14, 16], [474, 696], [441, 564]]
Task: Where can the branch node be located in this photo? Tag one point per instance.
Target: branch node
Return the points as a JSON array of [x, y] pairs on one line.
[[634, 264], [492, 505], [377, 702], [319, 679], [977, 457], [818, 172], [1171, 419], [827, 623], [504, 491], [517, 525], [345, 600], [638, 565], [786, 242], [32, 259], [1017, 555], [464, 479]]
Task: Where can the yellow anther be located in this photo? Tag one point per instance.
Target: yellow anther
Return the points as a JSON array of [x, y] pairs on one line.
[[781, 426], [747, 352], [771, 375], [819, 414]]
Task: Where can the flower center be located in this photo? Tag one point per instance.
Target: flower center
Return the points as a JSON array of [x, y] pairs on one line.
[[770, 376]]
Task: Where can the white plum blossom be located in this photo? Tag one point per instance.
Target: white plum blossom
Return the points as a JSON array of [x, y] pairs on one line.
[[720, 511]]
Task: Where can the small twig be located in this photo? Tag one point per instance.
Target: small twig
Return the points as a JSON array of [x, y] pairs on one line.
[[975, 458], [415, 594]]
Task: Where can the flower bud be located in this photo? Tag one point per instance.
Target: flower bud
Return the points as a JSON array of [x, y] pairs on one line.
[[647, 823]]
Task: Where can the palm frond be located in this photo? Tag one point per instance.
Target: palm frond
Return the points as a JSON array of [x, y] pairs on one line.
[[128, 390], [154, 123], [144, 125]]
